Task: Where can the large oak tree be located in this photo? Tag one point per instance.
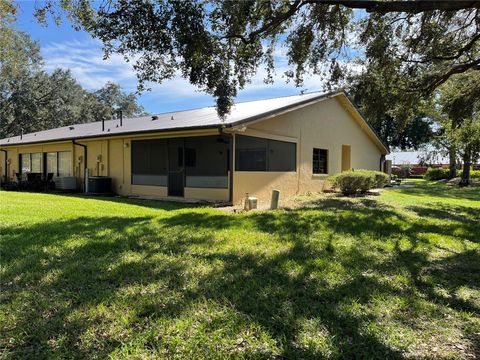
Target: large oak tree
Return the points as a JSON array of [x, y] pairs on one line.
[[219, 45], [32, 99]]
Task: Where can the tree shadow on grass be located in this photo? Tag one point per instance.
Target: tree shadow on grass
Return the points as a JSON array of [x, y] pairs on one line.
[[457, 213], [136, 201], [442, 191], [49, 282], [45, 277]]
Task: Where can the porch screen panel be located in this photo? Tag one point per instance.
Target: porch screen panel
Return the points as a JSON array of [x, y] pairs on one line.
[[64, 163], [149, 162], [251, 153], [207, 162], [260, 154], [52, 163], [37, 163], [282, 156]]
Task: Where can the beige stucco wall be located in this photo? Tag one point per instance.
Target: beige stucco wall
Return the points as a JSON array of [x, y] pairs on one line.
[[207, 194], [325, 125]]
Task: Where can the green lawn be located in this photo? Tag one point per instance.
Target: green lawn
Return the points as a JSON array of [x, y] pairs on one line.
[[390, 276]]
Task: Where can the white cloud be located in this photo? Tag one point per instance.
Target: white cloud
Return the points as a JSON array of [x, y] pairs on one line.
[[85, 60]]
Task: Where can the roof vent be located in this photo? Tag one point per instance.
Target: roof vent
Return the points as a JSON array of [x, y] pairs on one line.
[[71, 127], [154, 117], [172, 118]]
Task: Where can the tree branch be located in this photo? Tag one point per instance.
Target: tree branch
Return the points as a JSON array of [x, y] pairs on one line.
[[440, 79], [412, 6], [272, 24]]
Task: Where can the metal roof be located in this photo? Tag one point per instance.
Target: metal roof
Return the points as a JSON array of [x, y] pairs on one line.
[[242, 112]]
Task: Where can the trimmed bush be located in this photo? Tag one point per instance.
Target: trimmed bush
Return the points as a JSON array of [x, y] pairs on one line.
[[381, 179], [353, 181], [436, 174]]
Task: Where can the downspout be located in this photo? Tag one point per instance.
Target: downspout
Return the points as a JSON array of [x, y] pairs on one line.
[[5, 163], [231, 161], [232, 166], [85, 153], [382, 160]]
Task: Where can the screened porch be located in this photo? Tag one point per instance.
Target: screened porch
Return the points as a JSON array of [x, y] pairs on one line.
[[182, 165]]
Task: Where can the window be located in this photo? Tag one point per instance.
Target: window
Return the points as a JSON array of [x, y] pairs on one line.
[[25, 160], [58, 163], [37, 163], [64, 163], [51, 160], [149, 162], [32, 163], [320, 161], [260, 154]]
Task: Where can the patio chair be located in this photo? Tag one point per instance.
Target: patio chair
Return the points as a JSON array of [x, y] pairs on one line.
[[21, 183], [49, 183], [34, 181]]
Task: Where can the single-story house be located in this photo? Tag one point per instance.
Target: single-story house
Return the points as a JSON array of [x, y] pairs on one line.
[[291, 144]]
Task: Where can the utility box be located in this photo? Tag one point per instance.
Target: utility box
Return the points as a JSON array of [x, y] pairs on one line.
[[250, 203], [275, 197]]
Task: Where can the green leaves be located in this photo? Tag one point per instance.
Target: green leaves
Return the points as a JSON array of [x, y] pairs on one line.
[[33, 100], [219, 45]]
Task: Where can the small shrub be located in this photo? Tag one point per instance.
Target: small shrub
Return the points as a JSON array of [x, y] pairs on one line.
[[353, 181], [436, 174], [475, 174], [405, 171], [381, 179]]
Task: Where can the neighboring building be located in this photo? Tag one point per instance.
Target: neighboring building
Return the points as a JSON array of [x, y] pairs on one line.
[[291, 144], [417, 162], [417, 158]]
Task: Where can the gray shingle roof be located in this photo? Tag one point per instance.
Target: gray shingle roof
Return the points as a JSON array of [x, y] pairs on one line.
[[180, 120]]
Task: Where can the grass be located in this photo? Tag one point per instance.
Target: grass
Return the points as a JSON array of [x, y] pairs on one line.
[[390, 276]]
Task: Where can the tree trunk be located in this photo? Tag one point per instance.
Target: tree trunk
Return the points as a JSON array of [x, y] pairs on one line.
[[467, 162], [452, 154]]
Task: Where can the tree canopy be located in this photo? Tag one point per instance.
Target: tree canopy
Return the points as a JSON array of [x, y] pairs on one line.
[[458, 109], [32, 99], [219, 45]]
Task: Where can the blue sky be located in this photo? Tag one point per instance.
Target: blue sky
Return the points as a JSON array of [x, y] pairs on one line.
[[62, 46]]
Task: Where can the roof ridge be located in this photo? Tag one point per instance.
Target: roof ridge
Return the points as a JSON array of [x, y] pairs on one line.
[[243, 102]]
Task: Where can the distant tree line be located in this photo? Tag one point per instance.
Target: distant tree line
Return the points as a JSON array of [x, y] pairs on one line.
[[32, 99]]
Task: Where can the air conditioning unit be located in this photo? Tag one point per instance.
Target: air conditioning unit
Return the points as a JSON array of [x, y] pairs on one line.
[[66, 183]]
